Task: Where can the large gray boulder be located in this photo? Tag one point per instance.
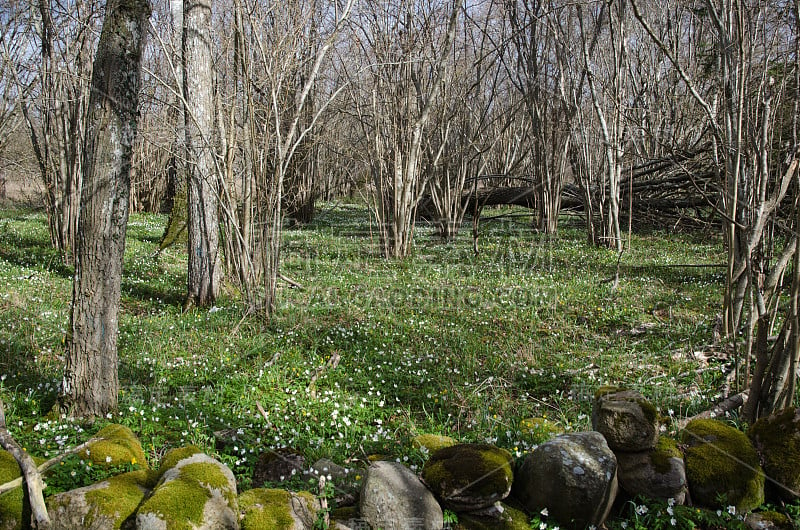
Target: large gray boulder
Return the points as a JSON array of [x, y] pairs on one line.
[[469, 477], [194, 491], [394, 498], [659, 473], [626, 419], [573, 475], [104, 505]]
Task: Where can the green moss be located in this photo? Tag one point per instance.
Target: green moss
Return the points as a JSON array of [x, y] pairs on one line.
[[483, 469], [117, 443], [268, 508], [9, 469], [180, 500], [433, 442], [510, 519], [777, 439], [176, 225], [210, 475], [665, 450], [777, 518], [11, 508], [122, 496], [649, 411], [606, 390], [722, 465], [174, 456], [179, 503]]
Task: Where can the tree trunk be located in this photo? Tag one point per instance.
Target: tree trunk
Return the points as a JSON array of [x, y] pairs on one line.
[[90, 383], [176, 170], [202, 199]]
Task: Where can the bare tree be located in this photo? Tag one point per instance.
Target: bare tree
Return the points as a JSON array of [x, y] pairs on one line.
[[271, 107], [463, 132], [749, 39], [55, 96], [202, 171], [533, 70], [406, 48], [609, 103], [12, 51], [90, 384]]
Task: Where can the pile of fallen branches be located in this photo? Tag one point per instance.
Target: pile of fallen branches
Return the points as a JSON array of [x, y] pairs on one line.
[[681, 187]]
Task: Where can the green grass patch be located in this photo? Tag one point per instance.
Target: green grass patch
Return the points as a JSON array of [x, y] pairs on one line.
[[443, 342]]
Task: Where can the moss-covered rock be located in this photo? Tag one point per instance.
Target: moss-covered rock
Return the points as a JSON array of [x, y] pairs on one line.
[[777, 441], [11, 509], [626, 419], [722, 466], [195, 491], [9, 469], [507, 519], [604, 390], [469, 477], [116, 446], [769, 520], [539, 430], [658, 473], [277, 509], [107, 504], [432, 442], [11, 501]]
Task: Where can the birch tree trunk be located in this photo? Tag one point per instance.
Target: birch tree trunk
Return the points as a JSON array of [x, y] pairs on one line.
[[202, 199], [90, 384]]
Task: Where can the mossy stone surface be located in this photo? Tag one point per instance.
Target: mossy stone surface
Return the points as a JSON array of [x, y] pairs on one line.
[[659, 473], [608, 389], [11, 509], [173, 456], [194, 491], [722, 466], [626, 419], [117, 446], [277, 509], [124, 493], [11, 501], [769, 520], [509, 519], [108, 504], [666, 448], [433, 442], [469, 476], [9, 469], [777, 441]]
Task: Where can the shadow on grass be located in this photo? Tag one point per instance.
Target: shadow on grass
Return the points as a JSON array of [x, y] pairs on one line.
[[673, 275], [31, 250], [148, 293]]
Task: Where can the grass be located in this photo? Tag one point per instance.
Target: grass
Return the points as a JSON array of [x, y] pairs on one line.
[[442, 342]]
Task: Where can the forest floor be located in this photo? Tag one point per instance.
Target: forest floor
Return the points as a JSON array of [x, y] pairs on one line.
[[443, 342]]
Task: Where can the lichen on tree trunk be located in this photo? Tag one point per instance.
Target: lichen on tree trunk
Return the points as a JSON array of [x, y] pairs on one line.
[[90, 383]]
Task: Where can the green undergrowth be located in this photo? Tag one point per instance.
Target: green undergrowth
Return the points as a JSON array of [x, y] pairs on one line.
[[444, 342]]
